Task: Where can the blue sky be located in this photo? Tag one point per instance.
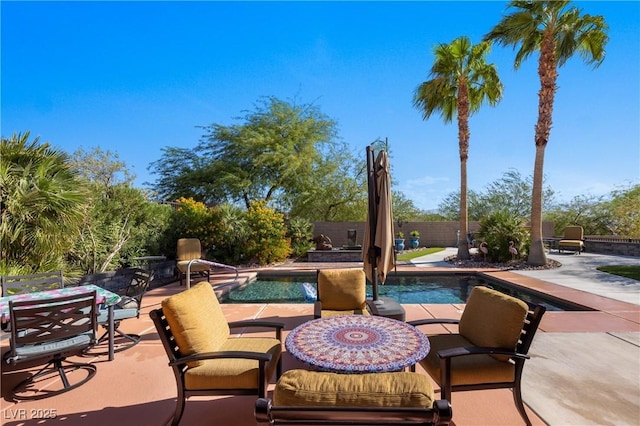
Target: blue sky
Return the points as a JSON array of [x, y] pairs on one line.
[[134, 77]]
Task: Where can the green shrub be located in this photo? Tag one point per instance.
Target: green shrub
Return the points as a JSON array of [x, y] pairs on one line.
[[267, 242], [498, 230], [300, 231]]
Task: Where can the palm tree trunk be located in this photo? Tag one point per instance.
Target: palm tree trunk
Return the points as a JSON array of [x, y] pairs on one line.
[[463, 140], [537, 254], [463, 247], [548, 73]]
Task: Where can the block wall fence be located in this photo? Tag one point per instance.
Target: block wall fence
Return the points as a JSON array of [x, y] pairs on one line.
[[444, 234], [432, 234]]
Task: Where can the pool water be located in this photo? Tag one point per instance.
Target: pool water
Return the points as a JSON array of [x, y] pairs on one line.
[[437, 289]]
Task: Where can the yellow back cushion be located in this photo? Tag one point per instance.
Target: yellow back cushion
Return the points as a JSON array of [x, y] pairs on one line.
[[196, 320], [573, 233], [188, 248], [342, 289], [493, 319]]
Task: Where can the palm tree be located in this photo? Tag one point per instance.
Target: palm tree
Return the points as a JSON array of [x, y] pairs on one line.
[[41, 206], [558, 32], [461, 80]]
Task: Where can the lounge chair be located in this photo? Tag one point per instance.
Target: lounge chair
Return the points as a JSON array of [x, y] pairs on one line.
[[187, 250], [572, 239]]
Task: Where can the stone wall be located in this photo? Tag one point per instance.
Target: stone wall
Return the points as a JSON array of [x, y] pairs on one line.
[[622, 248], [432, 234]]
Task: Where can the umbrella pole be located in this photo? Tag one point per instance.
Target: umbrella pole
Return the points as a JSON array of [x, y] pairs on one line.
[[371, 182]]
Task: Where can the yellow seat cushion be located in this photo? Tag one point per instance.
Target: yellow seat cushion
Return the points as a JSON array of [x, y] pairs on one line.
[[472, 369], [195, 267], [342, 289], [313, 388], [571, 243], [196, 320], [234, 373], [493, 319]]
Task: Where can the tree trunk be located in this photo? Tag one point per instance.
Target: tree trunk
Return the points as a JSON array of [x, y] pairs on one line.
[[463, 140], [548, 74], [537, 254], [463, 247]]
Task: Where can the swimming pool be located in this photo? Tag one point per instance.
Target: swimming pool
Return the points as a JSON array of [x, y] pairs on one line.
[[404, 288]]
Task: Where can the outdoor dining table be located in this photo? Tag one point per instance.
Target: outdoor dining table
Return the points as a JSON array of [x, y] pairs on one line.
[[357, 344], [104, 297]]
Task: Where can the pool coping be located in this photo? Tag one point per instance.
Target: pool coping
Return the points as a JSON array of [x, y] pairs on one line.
[[606, 315]]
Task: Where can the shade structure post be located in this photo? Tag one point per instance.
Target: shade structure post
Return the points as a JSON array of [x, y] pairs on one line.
[[372, 219], [377, 251]]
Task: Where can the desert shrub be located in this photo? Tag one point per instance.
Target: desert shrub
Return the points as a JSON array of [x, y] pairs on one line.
[[497, 230], [268, 241], [300, 231]]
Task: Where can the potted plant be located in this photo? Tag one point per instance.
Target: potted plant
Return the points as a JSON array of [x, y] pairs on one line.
[[414, 238], [399, 241]]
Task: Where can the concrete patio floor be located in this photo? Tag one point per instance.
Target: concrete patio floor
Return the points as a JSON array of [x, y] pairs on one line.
[[585, 366]]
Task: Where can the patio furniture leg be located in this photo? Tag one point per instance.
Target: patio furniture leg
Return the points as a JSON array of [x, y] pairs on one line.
[[517, 397]]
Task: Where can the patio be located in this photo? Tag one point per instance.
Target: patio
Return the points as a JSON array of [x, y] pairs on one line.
[[584, 370]]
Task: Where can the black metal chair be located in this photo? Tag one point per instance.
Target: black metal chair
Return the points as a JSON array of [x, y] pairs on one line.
[[489, 351], [205, 359], [51, 329], [15, 284], [128, 307]]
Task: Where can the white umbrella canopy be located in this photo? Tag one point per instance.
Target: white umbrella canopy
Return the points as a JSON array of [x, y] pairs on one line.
[[377, 248]]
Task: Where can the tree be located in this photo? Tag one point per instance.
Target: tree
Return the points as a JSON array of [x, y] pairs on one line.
[[269, 154], [120, 222], [625, 211], [558, 32], [42, 204], [335, 189], [461, 81]]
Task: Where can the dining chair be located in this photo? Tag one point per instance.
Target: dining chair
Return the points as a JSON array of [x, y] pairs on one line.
[[490, 348], [205, 359], [188, 249], [128, 307], [51, 330], [15, 284], [341, 292]]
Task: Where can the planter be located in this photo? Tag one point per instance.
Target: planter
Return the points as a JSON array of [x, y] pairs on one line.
[[399, 243], [415, 242]]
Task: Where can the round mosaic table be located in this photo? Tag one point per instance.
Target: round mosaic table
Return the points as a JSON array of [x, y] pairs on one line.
[[357, 344]]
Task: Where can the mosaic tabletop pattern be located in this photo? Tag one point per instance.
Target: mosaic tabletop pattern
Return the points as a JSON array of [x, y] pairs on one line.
[[357, 344]]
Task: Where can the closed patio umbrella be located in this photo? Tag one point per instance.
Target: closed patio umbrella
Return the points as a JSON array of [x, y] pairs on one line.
[[377, 247]]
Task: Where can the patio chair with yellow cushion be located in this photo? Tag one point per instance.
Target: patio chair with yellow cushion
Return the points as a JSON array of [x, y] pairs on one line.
[[187, 250], [204, 357], [490, 348], [324, 398], [341, 292], [572, 239]]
